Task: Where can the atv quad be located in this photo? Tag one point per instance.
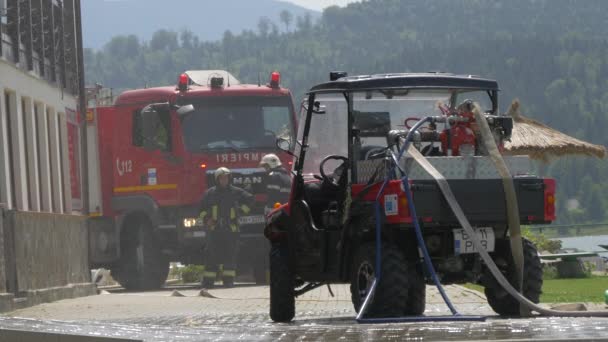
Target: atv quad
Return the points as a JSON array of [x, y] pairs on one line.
[[350, 131]]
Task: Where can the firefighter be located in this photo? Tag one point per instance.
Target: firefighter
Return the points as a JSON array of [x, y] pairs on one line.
[[220, 208], [278, 182]]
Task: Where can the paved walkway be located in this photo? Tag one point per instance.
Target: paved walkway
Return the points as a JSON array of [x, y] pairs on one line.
[[241, 313]]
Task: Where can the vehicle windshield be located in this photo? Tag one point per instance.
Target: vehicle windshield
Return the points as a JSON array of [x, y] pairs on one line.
[[235, 123], [375, 113]]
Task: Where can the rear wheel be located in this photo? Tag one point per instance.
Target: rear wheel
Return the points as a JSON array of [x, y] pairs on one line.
[[416, 297], [282, 296], [391, 294], [502, 302], [142, 266]]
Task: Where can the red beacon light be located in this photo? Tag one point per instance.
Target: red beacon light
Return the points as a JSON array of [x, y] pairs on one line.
[[182, 84], [275, 79]]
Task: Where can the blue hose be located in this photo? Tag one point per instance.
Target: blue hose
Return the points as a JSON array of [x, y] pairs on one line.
[[427, 260]]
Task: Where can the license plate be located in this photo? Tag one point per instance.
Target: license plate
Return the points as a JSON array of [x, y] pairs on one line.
[[464, 245], [199, 233], [252, 219]]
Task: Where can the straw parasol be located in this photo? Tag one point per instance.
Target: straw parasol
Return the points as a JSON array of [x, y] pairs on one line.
[[542, 142]]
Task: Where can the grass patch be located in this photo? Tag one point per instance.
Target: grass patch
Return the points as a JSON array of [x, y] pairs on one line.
[[568, 290]]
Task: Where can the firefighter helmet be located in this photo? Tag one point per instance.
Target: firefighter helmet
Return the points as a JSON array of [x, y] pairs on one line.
[[221, 171], [271, 160]]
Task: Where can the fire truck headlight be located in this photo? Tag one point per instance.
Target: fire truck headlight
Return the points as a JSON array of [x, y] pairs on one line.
[[192, 222]]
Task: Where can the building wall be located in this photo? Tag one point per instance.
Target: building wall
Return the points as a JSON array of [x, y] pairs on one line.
[[40, 76], [34, 158]]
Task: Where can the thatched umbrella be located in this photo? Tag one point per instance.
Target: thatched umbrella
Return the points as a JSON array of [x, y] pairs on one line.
[[542, 142]]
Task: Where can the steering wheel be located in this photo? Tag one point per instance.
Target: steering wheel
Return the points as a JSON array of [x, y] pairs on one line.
[[324, 176]]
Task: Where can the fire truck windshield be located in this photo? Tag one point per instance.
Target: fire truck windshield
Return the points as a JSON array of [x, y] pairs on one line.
[[235, 123]]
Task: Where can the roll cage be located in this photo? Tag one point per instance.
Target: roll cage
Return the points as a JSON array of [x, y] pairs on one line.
[[387, 84]]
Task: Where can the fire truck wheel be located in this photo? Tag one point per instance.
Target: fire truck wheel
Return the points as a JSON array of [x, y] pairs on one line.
[[416, 298], [500, 301], [391, 293], [261, 274], [142, 265], [282, 297]]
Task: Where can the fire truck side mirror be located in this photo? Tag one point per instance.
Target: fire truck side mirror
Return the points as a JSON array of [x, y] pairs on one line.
[[185, 109], [284, 145]]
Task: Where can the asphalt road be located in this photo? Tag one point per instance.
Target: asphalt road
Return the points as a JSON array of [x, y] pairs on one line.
[[242, 314]]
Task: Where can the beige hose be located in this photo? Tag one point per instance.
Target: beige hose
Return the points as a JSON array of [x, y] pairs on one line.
[[511, 198]]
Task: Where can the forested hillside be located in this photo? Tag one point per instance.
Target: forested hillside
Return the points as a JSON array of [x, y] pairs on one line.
[[552, 54]]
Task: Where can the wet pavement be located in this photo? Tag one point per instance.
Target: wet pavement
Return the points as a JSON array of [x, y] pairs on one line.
[[241, 314]]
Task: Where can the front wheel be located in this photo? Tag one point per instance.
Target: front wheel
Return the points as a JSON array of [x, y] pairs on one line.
[[282, 296], [391, 296], [416, 297], [502, 302], [142, 266]]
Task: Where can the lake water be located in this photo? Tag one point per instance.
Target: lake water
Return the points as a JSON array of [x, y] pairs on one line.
[[586, 243]]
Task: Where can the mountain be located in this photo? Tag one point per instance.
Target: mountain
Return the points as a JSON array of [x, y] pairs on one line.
[[207, 19]]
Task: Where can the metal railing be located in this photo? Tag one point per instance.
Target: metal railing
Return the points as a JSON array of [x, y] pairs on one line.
[[571, 230]]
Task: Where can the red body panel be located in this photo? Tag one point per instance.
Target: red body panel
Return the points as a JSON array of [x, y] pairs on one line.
[[392, 199]]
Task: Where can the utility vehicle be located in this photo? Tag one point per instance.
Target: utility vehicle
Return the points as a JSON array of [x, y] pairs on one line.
[[350, 130]]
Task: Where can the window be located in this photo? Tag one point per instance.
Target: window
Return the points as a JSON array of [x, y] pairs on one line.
[[277, 121], [49, 141], [37, 107], [3, 19], [9, 139], [328, 134], [28, 167], [137, 129], [237, 123], [152, 130]]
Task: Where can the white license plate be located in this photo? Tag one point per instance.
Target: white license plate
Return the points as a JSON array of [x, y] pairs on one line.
[[199, 233], [252, 219], [464, 245]]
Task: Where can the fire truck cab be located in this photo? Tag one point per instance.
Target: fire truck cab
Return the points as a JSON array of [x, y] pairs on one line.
[[152, 154]]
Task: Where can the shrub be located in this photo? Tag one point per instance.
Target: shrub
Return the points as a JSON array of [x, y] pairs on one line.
[[192, 273], [541, 242], [549, 272]]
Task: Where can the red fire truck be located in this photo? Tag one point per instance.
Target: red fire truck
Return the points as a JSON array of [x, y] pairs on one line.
[[152, 154]]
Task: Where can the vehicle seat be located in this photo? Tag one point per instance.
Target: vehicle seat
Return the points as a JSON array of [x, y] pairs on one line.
[[324, 198]]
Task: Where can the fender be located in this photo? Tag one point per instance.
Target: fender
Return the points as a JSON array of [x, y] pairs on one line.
[[125, 205]]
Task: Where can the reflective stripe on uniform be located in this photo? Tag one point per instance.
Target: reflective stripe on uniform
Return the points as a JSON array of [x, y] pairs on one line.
[[229, 273], [214, 212], [273, 186], [245, 209], [234, 227], [202, 214], [285, 189], [232, 214]]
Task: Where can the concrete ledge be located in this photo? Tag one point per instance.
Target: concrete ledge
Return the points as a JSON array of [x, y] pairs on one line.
[[30, 336], [8, 302]]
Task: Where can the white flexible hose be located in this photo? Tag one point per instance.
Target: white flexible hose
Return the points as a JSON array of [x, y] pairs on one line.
[[464, 222]]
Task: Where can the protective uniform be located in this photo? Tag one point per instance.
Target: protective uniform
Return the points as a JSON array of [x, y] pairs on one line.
[[220, 209], [278, 181]]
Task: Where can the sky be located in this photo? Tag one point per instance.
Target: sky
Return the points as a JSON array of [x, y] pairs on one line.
[[319, 5]]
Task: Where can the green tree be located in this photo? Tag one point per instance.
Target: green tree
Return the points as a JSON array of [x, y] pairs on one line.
[[286, 19]]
